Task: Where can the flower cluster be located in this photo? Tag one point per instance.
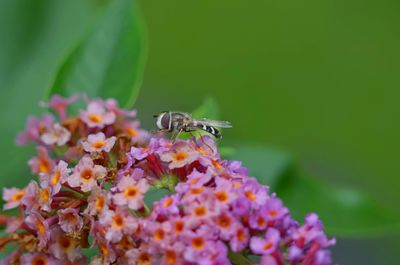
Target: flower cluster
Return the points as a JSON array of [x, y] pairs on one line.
[[95, 171]]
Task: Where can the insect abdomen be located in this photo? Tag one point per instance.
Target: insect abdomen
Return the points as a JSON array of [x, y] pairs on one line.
[[214, 131]]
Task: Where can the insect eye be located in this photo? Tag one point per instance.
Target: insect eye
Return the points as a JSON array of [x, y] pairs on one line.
[[165, 120]]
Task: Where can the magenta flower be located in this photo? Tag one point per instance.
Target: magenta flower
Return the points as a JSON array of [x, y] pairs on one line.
[[97, 115], [13, 197], [98, 142], [130, 192], [56, 135], [267, 245], [69, 220], [86, 174]]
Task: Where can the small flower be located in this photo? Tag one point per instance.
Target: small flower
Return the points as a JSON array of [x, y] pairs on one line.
[[58, 176], [65, 247], [34, 128], [13, 197], [86, 174], [36, 222], [98, 142], [137, 135], [56, 135], [180, 155], [42, 164], [268, 245], [112, 105], [239, 237], [60, 104], [96, 115], [69, 220], [131, 192], [97, 201], [117, 223]]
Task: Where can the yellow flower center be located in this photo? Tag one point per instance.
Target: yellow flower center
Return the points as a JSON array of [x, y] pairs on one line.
[[87, 174], [221, 196], [56, 177], [99, 203], [250, 195], [200, 211], [44, 166], [180, 156], [198, 243], [168, 202], [131, 192], [40, 226], [117, 221], [131, 132], [158, 234], [44, 195]]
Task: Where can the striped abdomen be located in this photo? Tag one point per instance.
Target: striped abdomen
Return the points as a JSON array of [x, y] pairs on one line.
[[212, 130]]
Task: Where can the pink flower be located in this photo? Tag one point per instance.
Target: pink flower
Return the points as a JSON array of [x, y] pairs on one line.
[[117, 223], [69, 220], [97, 115], [86, 174], [131, 192], [239, 237], [112, 105], [42, 163], [37, 223], [268, 245], [97, 202], [56, 135], [131, 128], [65, 247], [34, 128], [98, 142], [13, 197], [180, 155], [60, 104], [57, 177]]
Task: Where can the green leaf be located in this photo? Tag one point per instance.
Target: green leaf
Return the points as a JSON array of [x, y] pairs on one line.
[[110, 61], [208, 109], [36, 36], [344, 211]]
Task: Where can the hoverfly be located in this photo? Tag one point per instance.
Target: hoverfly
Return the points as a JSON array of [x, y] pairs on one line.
[[177, 122]]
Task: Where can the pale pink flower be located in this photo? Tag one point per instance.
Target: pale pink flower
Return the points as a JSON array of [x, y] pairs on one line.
[[98, 142], [37, 258], [86, 174], [41, 163], [60, 104], [13, 197], [131, 192], [117, 223], [37, 223], [69, 220], [65, 247], [56, 135], [180, 155], [97, 115], [34, 128], [58, 176], [97, 201]]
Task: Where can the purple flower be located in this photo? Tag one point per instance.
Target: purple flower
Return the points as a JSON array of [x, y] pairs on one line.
[[97, 115], [86, 174], [98, 142], [268, 245], [69, 220]]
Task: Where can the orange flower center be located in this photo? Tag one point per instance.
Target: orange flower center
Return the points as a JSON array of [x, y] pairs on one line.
[[179, 226], [44, 166], [201, 151], [221, 196], [261, 221], [40, 226], [250, 195], [159, 234], [44, 195], [131, 192], [240, 235], [65, 243], [224, 221], [196, 190], [95, 118], [39, 260], [216, 164], [18, 196], [117, 221], [170, 257], [200, 211], [267, 246], [168, 202], [99, 203], [180, 156], [144, 259], [56, 177], [273, 213], [131, 132], [87, 174], [98, 144], [198, 243]]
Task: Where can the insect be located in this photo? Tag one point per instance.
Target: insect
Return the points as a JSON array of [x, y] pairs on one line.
[[177, 122]]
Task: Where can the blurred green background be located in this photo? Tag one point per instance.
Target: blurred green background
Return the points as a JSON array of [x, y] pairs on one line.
[[317, 79]]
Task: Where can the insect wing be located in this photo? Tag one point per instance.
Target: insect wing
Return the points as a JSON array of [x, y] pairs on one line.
[[214, 123]]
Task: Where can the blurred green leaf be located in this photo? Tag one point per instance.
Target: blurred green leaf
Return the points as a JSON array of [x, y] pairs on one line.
[[35, 37], [110, 61], [345, 212], [208, 109]]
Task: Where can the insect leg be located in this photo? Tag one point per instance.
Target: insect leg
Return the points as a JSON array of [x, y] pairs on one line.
[[174, 137]]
